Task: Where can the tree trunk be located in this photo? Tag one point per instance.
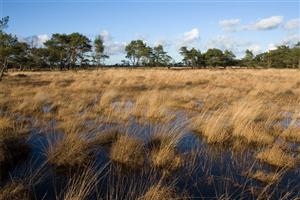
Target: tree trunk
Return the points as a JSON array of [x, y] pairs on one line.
[[4, 66]]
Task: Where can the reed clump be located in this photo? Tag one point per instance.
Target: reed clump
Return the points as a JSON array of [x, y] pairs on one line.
[[15, 191], [160, 192], [129, 151], [72, 151], [276, 156]]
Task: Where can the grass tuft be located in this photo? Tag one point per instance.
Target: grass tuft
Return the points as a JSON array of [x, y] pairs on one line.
[[129, 151], [277, 157]]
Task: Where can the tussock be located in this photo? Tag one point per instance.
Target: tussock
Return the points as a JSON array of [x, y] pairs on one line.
[[129, 151], [159, 192], [277, 157], [71, 151]]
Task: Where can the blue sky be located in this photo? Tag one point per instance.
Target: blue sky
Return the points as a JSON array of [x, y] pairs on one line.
[[234, 25]]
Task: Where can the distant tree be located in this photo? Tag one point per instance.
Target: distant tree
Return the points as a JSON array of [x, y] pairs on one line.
[[192, 57], [8, 48], [229, 58], [137, 51], [22, 56], [281, 57], [248, 59], [79, 45], [160, 57], [68, 50], [58, 50], [40, 57], [99, 50], [4, 23], [214, 57]]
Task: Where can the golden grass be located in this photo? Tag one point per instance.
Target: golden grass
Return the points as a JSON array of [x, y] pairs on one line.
[[15, 191], [80, 186], [6, 124], [277, 157], [129, 151], [266, 177], [163, 152], [71, 151], [233, 107], [159, 192], [13, 146]]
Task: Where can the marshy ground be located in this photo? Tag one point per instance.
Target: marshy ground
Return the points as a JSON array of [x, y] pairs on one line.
[[150, 134]]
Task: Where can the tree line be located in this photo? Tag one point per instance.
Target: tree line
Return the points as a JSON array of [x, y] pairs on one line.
[[75, 50]]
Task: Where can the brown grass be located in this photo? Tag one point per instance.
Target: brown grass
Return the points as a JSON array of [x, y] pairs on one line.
[[71, 151], [163, 152], [277, 157], [129, 151], [159, 192], [266, 177], [13, 146], [15, 191], [242, 107]]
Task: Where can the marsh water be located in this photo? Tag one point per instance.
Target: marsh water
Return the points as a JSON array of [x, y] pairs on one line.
[[211, 170]]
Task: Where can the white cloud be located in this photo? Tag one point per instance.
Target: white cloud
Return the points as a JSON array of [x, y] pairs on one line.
[[236, 45], [35, 40], [162, 42], [190, 37], [106, 36], [266, 23], [228, 43], [290, 40], [112, 47], [271, 46], [292, 24], [255, 48], [229, 24]]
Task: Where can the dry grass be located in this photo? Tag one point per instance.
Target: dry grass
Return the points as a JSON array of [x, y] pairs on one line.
[[13, 146], [15, 191], [277, 157], [71, 151], [163, 152], [246, 108], [80, 186], [129, 151], [159, 192], [266, 177]]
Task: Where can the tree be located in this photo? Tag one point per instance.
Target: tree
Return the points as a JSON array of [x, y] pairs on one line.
[[58, 52], [79, 45], [99, 50], [21, 55], [214, 57], [192, 57], [40, 57], [68, 50], [137, 52], [248, 60], [4, 23], [229, 58], [160, 57], [8, 44]]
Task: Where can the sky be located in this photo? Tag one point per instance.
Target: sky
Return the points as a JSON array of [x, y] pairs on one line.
[[235, 25]]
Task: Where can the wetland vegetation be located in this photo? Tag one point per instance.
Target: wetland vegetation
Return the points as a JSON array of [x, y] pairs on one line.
[[150, 134]]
